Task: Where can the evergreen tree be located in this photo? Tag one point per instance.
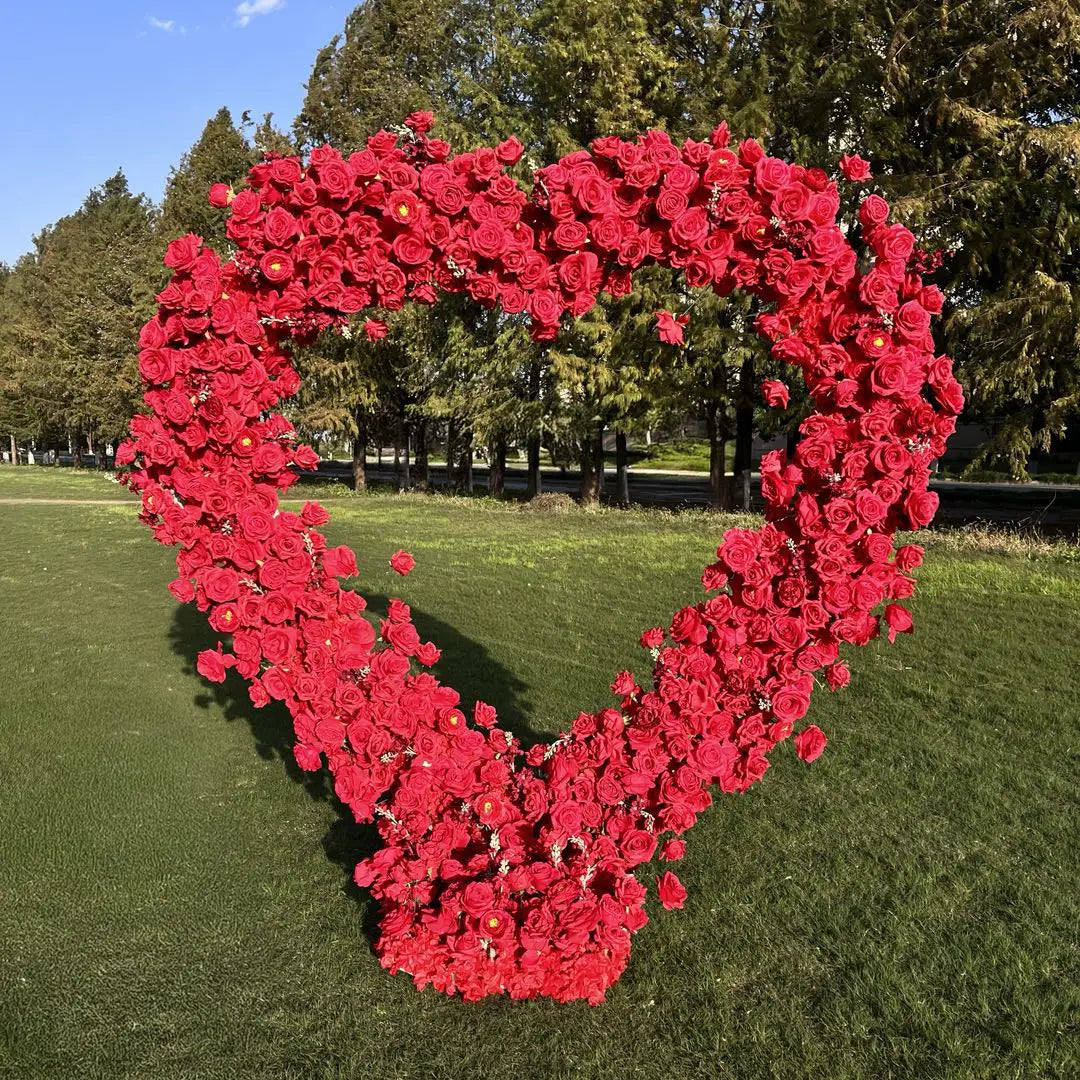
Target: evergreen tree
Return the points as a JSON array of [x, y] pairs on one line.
[[220, 155], [71, 316], [969, 114]]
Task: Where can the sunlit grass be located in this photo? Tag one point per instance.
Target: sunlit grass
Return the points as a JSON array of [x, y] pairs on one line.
[[175, 898]]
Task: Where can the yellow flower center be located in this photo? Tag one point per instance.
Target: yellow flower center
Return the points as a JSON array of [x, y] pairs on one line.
[[227, 616], [275, 266], [878, 342], [493, 922], [403, 210], [245, 441], [452, 721], [486, 806]]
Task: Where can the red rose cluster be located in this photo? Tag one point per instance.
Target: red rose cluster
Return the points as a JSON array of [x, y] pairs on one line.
[[505, 869]]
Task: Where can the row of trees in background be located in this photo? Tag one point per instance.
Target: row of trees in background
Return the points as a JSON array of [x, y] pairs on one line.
[[968, 112]]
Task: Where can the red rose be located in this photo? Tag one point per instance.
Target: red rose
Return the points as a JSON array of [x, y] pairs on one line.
[[419, 123], [739, 549], [570, 235], [428, 654], [221, 585], [484, 715], [156, 366], [669, 328], [211, 664], [810, 743], [790, 704], [687, 626], [220, 195], [375, 329], [477, 897], [913, 321], [921, 506], [182, 252], [401, 562], [411, 248], [339, 562], [873, 211], [895, 243], [638, 846], [276, 266], [898, 620], [690, 227], [579, 272], [909, 557], [183, 590], [791, 202], [771, 174], [855, 168], [837, 675], [673, 850], [509, 151], [775, 393], [670, 890]]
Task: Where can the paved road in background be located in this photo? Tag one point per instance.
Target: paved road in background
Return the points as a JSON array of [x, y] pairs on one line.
[[1052, 507]]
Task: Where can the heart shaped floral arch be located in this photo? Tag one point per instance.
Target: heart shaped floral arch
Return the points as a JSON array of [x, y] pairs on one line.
[[507, 869]]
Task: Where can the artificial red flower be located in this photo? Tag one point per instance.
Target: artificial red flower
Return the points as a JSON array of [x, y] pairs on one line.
[[775, 393], [809, 743], [855, 168], [211, 665], [673, 850], [401, 562], [670, 890], [669, 328]]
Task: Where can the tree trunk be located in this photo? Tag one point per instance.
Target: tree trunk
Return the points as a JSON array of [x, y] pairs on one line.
[[497, 469], [14, 451], [423, 473], [451, 455], [406, 437], [532, 445], [76, 452], [592, 467], [359, 450], [465, 465], [719, 489], [622, 467], [744, 434], [792, 442]]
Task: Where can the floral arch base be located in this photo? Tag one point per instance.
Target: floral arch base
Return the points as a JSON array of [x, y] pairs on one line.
[[510, 869]]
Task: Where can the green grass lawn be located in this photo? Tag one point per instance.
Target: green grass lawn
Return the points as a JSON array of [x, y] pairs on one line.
[[175, 899], [686, 455]]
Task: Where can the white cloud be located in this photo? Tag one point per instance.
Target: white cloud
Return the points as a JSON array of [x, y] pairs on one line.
[[247, 11], [161, 24]]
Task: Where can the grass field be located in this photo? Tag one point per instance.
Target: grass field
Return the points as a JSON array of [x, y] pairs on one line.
[[686, 455], [175, 900]]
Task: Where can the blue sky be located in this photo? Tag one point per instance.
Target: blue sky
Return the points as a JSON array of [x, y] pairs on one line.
[[91, 86]]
